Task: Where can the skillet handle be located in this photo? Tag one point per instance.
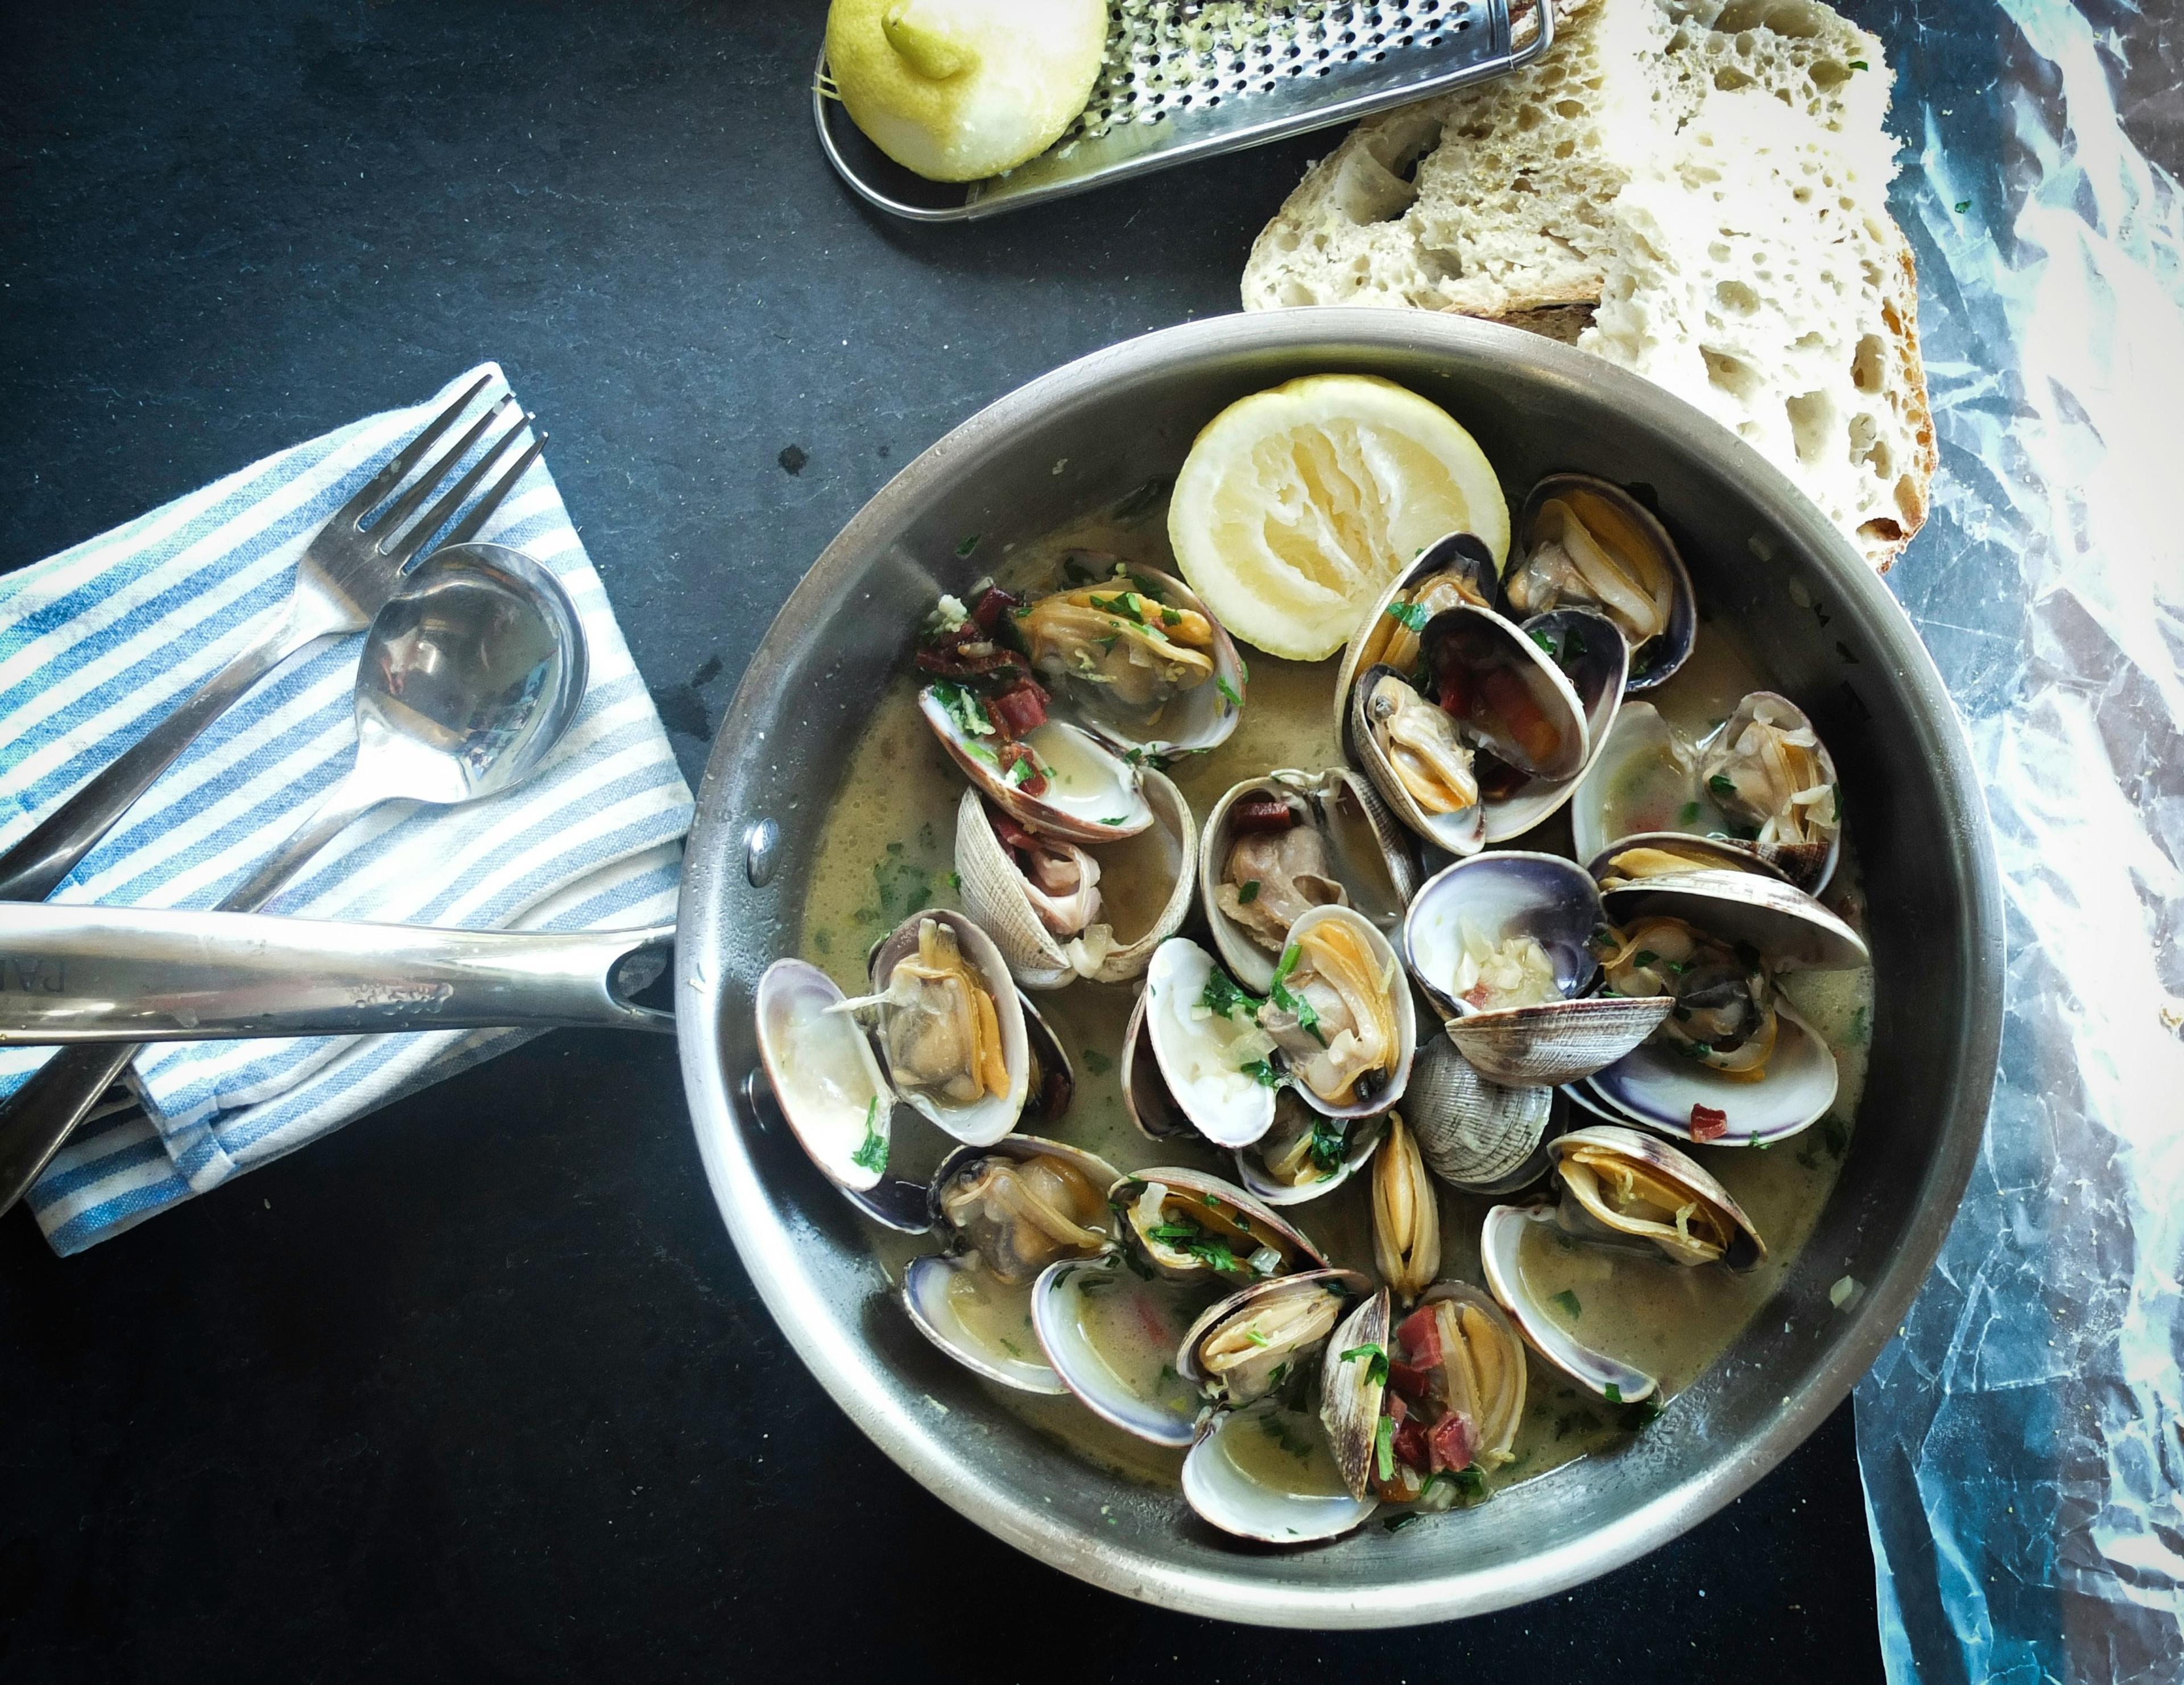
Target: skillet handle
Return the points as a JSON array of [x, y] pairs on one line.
[[110, 974]]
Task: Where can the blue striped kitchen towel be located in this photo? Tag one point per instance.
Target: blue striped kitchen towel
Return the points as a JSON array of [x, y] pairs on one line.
[[98, 643]]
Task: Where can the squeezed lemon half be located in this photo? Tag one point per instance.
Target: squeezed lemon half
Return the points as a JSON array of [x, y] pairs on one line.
[[960, 90], [1297, 506]]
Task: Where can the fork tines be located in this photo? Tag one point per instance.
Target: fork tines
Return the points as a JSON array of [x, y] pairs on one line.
[[395, 534]]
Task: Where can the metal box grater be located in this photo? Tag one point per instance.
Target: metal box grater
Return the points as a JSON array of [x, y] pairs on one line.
[[1187, 79]]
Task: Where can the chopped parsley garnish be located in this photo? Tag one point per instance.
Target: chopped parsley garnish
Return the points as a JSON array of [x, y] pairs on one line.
[[1613, 1393], [1547, 643], [1097, 1062], [1222, 998], [1076, 572], [967, 545], [1256, 1337], [1412, 614], [1469, 1481], [1860, 65], [1019, 773], [1119, 819], [1963, 205], [955, 881], [1327, 1145], [1721, 785], [1384, 1448], [1262, 1072], [1227, 691], [1248, 893], [1690, 815], [1123, 602], [1296, 1005], [1376, 1364], [873, 1154], [1644, 956], [1107, 643], [1638, 1415], [1396, 1524], [1574, 642], [1568, 1301], [964, 710]]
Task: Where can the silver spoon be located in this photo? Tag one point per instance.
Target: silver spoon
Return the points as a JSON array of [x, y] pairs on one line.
[[470, 674]]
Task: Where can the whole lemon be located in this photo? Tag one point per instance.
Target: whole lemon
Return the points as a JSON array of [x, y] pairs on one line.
[[959, 90]]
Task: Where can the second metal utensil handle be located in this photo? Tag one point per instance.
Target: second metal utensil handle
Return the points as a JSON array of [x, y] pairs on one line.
[[35, 866], [108, 973]]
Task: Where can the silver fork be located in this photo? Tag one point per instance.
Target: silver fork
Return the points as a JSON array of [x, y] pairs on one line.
[[347, 573]]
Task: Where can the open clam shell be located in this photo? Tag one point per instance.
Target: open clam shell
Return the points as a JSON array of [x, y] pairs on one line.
[[981, 1323], [1143, 887], [1658, 1088], [826, 1083], [1610, 1175], [1766, 769], [1352, 1386], [1618, 561], [1266, 1474], [1479, 1135], [1051, 1082], [1187, 1227], [1633, 859], [1592, 656], [1514, 715], [1488, 903], [1643, 779], [1252, 1342], [1456, 825], [1500, 1241], [1286, 1166], [1792, 930], [1145, 1095], [1109, 1338], [987, 1119], [1361, 850], [1205, 1058], [1168, 724], [1458, 569], [1089, 795], [1394, 997]]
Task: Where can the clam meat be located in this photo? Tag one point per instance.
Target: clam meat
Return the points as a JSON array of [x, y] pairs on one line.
[[939, 1029], [1021, 1214], [1189, 1227], [1277, 870], [1457, 1369], [1334, 1011], [1600, 565], [1139, 650], [1420, 746], [1306, 1152], [1061, 881], [1620, 1184], [1768, 770], [1724, 1015]]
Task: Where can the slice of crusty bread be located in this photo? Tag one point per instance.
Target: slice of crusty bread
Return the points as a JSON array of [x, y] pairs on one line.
[[1754, 271], [1502, 201]]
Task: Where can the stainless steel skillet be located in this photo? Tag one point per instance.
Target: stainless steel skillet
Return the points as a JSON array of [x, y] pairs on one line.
[[1820, 622]]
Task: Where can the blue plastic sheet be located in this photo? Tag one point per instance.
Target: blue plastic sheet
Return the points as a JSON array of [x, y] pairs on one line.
[[2022, 1441]]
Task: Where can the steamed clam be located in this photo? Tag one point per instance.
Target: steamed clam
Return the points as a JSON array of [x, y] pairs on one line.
[[1501, 943], [1341, 1014], [1257, 1340], [1458, 572], [1135, 657], [1059, 910], [949, 1024], [1622, 1185], [1732, 1062], [1406, 1215], [1186, 1225], [1479, 741], [1768, 770], [1008, 1212], [1306, 1154], [1585, 543], [1413, 1407], [1276, 847], [1761, 784]]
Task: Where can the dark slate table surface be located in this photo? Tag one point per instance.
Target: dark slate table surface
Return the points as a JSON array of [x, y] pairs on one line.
[[478, 1387]]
